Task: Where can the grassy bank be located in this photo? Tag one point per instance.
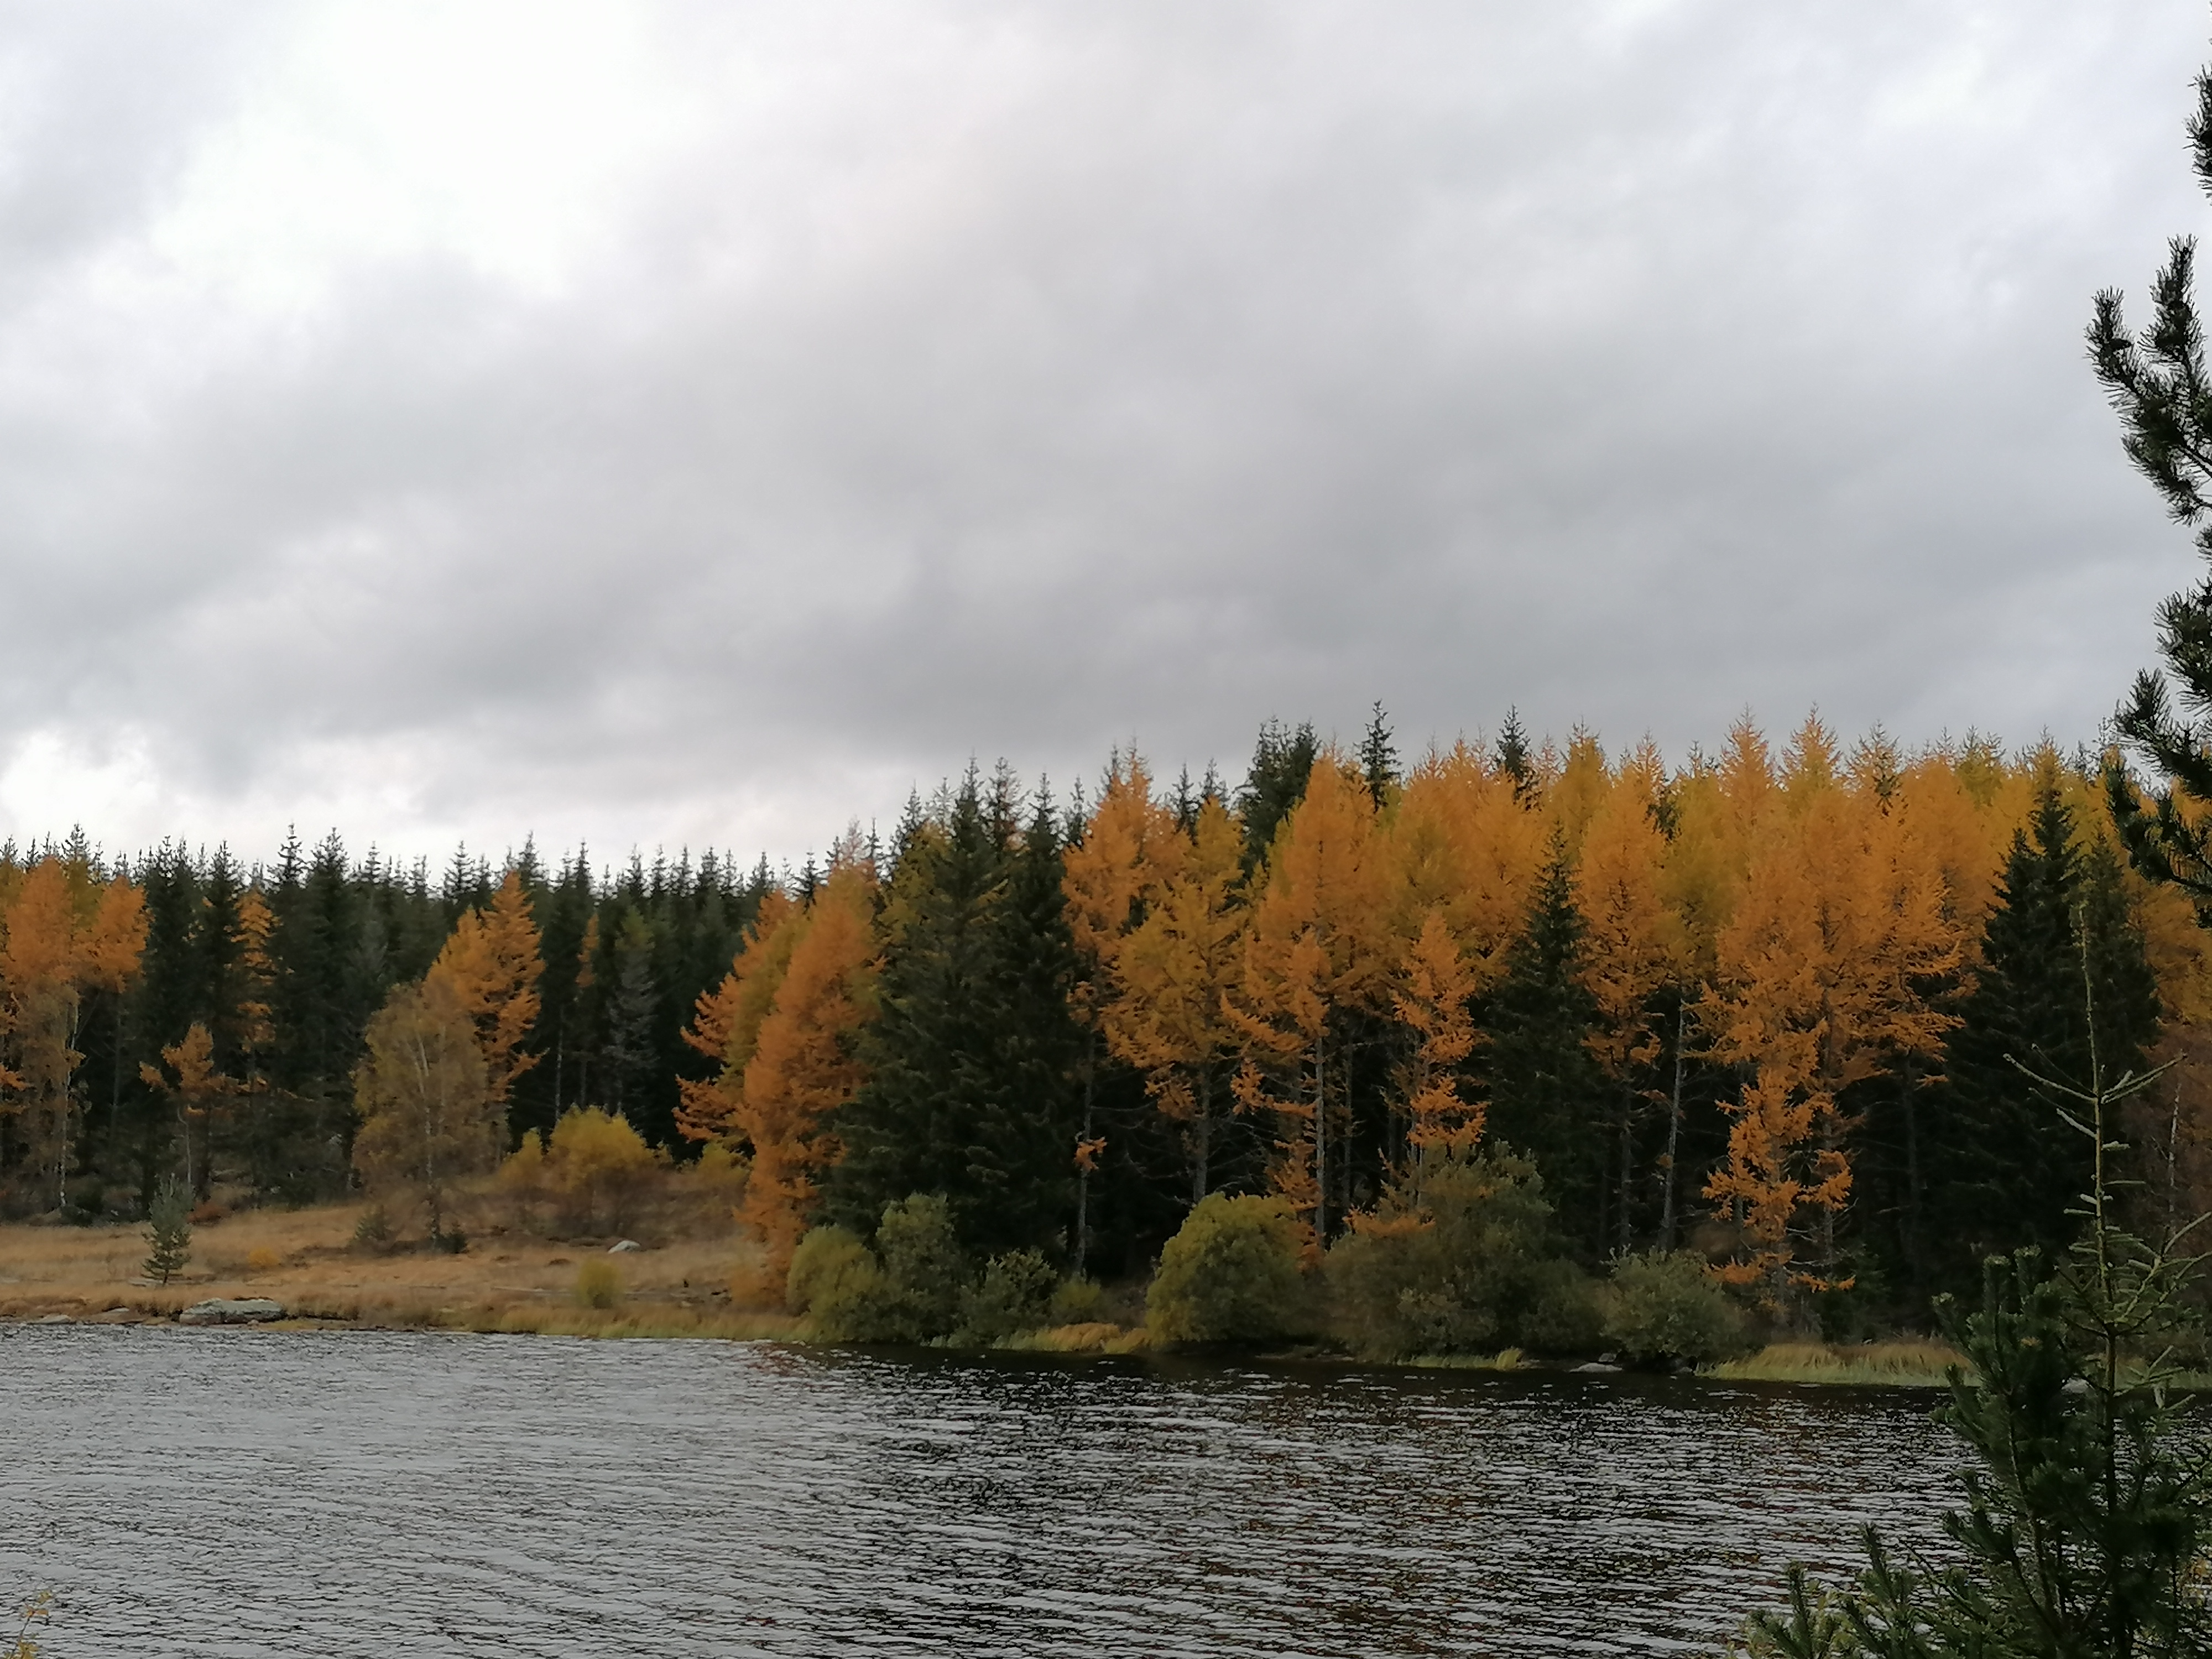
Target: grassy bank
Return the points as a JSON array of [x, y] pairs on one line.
[[1916, 1364], [519, 1284], [307, 1260]]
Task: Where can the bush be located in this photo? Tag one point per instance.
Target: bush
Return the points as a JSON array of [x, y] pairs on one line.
[[590, 1175], [373, 1230], [1076, 1302], [598, 1285], [1231, 1274], [908, 1289], [1016, 1295], [1470, 1267], [823, 1267], [1664, 1307]]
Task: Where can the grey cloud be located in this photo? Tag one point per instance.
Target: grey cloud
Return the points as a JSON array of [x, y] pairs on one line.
[[1015, 379]]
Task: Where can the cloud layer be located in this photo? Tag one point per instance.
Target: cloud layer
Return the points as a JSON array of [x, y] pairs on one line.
[[699, 423]]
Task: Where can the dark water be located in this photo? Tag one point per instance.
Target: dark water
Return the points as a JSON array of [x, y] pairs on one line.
[[348, 1493]]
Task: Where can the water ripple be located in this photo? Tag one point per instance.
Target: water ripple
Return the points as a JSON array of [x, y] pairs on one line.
[[362, 1493]]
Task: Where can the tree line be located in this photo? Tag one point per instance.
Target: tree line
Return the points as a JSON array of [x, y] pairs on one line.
[[1765, 1004]]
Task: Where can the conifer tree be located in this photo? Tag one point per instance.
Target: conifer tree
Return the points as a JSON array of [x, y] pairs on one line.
[[971, 1061], [1282, 764], [1318, 952], [1513, 758], [2158, 384], [1171, 976], [2013, 1165], [491, 965], [1544, 1085], [1378, 758]]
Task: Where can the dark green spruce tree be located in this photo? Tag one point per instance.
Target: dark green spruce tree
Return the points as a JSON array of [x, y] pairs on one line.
[[973, 1061], [2011, 1168], [1282, 764], [1544, 1086]]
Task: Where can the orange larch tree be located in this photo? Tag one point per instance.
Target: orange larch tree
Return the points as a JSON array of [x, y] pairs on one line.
[[802, 1066], [64, 937], [1633, 952], [1823, 968], [1167, 1015], [491, 966], [1318, 948]]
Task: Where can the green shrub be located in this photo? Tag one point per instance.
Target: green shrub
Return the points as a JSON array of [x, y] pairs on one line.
[[598, 1285], [1663, 1306], [1469, 1268], [1015, 1294], [908, 1289], [831, 1268], [1076, 1302], [1231, 1274]]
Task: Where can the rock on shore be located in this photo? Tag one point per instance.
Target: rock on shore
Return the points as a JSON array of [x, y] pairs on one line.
[[241, 1310]]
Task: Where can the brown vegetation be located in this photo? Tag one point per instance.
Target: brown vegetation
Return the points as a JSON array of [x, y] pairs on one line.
[[505, 1280]]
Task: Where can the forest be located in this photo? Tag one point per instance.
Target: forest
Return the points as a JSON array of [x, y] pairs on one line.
[[1768, 1007]]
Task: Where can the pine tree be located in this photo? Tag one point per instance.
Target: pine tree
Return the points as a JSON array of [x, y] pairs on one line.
[[1545, 1089], [1513, 758], [632, 999], [1282, 764], [2157, 382], [971, 1062], [2010, 1159], [1378, 758]]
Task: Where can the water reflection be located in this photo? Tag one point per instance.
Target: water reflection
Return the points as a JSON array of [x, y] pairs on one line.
[[366, 1494]]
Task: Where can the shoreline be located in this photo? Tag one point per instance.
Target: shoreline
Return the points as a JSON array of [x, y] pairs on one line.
[[507, 1283], [1904, 1365]]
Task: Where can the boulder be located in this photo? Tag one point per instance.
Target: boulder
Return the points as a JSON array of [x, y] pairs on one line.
[[240, 1310], [621, 1245], [1598, 1367]]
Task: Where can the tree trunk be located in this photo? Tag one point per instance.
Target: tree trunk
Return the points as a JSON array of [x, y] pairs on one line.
[[1083, 1159], [1673, 1129]]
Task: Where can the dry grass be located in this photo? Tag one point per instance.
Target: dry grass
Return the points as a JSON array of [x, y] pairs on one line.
[[307, 1260], [1917, 1364]]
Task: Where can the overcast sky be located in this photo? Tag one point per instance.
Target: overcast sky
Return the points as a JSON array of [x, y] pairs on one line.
[[701, 424]]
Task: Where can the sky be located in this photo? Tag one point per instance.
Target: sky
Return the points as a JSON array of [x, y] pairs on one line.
[[675, 425]]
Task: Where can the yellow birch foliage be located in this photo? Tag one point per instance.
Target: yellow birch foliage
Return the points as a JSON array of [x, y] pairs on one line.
[[428, 1119], [491, 967]]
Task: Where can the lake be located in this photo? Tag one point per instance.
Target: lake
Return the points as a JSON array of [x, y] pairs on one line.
[[367, 1493]]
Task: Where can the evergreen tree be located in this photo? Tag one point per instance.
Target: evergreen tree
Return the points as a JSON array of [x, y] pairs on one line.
[[2158, 383], [2013, 1165], [1378, 758], [1546, 1088], [971, 1062], [1282, 762], [628, 1055], [1513, 757]]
